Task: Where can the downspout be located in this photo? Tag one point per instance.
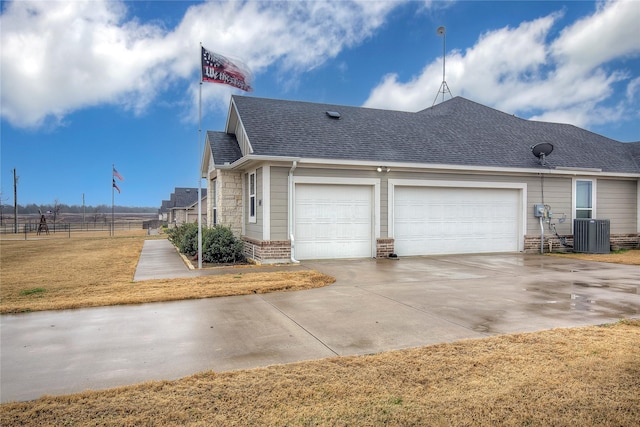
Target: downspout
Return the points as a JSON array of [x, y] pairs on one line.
[[290, 197], [541, 236]]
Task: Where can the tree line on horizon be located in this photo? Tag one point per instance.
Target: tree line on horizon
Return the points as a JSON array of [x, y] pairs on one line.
[[33, 208]]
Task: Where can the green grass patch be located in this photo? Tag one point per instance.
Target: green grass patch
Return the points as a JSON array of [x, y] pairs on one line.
[[33, 291], [620, 251]]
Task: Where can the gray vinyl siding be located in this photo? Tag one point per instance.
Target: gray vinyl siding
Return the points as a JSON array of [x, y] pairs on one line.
[[617, 201], [556, 192], [279, 203], [253, 229]]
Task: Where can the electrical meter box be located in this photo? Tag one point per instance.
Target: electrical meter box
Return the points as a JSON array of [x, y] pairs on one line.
[[538, 210]]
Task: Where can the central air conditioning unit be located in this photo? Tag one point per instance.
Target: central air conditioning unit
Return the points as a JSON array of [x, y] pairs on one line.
[[591, 236]]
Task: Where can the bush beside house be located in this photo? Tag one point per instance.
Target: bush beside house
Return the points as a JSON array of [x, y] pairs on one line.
[[219, 245]]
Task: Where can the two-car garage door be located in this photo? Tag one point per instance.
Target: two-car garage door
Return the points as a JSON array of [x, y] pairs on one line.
[[450, 220]]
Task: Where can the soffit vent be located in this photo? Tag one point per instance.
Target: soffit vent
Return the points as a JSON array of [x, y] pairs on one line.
[[333, 114]]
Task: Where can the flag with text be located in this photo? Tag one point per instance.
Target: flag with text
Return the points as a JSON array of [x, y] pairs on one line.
[[219, 69]]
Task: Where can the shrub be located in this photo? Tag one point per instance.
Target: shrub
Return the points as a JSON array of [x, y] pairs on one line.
[[185, 238], [219, 245]]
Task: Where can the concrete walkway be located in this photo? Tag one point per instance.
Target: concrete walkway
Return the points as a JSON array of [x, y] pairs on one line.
[[159, 259], [374, 306]]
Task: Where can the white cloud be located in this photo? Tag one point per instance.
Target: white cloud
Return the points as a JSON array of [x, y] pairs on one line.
[[633, 89], [518, 70], [610, 33], [290, 36], [501, 58], [61, 56]]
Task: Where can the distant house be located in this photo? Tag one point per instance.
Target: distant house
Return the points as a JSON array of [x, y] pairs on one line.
[[300, 180], [163, 212], [182, 206]]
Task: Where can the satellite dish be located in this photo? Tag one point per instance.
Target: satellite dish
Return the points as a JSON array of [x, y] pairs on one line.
[[440, 31], [542, 150]]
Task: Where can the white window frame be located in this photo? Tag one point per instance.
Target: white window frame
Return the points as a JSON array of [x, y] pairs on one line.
[[574, 204], [253, 207]]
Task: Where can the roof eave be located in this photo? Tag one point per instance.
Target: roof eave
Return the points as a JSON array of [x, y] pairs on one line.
[[246, 161]]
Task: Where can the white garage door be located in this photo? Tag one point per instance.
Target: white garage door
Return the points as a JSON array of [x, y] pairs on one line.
[[333, 221], [437, 220]]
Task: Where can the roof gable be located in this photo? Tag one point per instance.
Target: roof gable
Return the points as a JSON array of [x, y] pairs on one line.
[[224, 147]]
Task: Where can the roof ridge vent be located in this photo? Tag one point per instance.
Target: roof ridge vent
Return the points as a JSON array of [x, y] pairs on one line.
[[333, 114]]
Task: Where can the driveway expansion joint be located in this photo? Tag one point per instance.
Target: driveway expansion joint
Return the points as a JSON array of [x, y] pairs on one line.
[[300, 326]]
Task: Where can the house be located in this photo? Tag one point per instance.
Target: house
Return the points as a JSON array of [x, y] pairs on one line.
[[163, 212], [300, 180], [182, 206]]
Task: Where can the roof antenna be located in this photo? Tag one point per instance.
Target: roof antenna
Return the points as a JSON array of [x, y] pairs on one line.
[[444, 87]]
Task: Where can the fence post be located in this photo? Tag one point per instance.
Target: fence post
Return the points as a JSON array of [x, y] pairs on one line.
[[25, 232]]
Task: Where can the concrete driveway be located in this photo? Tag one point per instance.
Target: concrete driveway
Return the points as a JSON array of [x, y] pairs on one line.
[[374, 306]]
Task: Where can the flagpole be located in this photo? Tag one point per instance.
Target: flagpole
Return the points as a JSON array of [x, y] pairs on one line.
[[199, 165], [113, 166], [216, 73]]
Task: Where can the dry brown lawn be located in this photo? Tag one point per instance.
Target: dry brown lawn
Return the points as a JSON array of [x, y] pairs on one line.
[[631, 257], [569, 377], [566, 377], [54, 274]]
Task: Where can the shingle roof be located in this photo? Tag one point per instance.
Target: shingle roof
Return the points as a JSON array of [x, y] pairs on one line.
[[166, 204], [455, 132], [635, 151], [224, 147], [184, 197]]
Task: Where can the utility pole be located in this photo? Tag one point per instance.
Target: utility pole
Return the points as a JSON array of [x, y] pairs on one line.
[[1, 209], [15, 201]]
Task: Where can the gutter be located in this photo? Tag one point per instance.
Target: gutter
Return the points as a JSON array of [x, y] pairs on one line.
[[290, 210], [431, 167]]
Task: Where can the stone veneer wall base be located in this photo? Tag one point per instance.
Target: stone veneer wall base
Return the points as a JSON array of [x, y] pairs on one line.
[[553, 244], [384, 247], [267, 251], [279, 251]]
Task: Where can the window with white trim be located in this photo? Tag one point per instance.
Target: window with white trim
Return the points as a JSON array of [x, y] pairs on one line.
[[252, 197], [584, 190]]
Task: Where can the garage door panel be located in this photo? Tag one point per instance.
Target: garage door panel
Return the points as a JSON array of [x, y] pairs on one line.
[[333, 221], [432, 220]]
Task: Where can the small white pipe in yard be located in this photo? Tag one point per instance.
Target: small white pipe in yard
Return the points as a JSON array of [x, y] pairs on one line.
[[291, 226]]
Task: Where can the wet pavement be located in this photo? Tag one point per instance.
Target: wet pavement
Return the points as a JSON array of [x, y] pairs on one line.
[[374, 306], [159, 259]]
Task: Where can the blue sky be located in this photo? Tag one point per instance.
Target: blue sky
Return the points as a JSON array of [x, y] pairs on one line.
[[85, 85]]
